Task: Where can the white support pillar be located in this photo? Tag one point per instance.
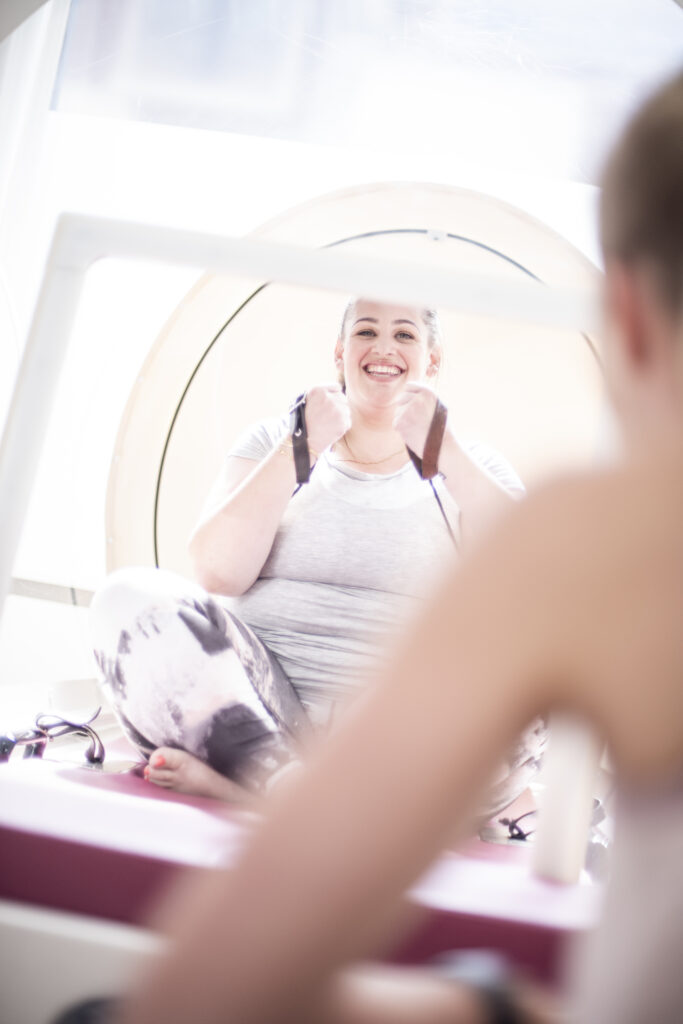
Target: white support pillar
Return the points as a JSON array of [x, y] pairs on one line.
[[30, 408], [570, 768], [29, 59]]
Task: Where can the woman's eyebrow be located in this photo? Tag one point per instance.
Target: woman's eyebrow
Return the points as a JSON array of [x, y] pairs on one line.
[[374, 320]]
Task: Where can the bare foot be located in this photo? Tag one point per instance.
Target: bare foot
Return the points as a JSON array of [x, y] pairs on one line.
[[184, 773]]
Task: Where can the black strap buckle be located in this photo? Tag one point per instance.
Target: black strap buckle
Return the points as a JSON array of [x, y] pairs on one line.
[[302, 456]]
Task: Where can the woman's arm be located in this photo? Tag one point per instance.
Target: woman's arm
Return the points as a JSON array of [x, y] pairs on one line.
[[231, 542], [320, 883], [480, 498]]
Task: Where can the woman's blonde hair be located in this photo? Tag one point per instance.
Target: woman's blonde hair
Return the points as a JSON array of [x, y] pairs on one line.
[[641, 212]]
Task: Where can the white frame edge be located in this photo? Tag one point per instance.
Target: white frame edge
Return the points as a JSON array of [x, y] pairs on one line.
[[81, 240]]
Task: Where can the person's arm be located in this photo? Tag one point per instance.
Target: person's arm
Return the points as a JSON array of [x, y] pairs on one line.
[[319, 885], [231, 543], [480, 497]]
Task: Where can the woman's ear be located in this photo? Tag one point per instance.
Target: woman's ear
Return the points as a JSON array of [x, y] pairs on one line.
[[339, 362], [339, 358], [433, 361]]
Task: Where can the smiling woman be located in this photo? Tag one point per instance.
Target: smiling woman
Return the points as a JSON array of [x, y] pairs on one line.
[[302, 589], [386, 345]]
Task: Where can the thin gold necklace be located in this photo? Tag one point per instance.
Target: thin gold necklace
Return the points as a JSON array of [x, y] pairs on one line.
[[367, 462]]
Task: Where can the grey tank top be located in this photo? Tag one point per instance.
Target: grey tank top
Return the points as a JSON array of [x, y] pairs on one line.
[[353, 555]]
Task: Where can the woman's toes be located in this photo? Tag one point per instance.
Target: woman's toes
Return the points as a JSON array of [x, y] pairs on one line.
[[163, 765], [175, 769]]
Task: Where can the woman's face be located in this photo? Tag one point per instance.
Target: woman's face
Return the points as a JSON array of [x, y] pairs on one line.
[[384, 347]]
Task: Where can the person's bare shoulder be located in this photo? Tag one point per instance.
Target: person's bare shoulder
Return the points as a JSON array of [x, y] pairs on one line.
[[607, 554]]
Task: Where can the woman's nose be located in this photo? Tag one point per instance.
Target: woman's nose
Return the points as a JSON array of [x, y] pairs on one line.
[[384, 343]]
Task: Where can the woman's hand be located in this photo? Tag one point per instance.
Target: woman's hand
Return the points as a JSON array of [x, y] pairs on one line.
[[479, 496], [414, 412], [328, 416]]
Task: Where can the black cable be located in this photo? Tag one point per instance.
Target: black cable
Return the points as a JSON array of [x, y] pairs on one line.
[[443, 513]]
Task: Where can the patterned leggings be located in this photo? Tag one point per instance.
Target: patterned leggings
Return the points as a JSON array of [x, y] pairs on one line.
[[182, 671]]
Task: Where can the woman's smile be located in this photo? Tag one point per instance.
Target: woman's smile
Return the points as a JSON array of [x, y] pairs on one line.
[[383, 371]]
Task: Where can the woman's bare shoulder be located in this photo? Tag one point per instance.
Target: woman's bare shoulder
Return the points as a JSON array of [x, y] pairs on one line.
[[610, 544], [637, 503]]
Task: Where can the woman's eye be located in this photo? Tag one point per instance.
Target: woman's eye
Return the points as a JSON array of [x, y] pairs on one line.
[[404, 336], [367, 332]]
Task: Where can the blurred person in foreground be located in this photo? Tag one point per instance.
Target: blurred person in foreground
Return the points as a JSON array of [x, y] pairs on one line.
[[582, 587]]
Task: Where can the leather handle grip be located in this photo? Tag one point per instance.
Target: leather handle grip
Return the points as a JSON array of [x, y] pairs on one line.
[[428, 465], [302, 455]]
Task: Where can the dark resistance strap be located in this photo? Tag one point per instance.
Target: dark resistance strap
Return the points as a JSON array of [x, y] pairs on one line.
[[428, 465], [302, 456]]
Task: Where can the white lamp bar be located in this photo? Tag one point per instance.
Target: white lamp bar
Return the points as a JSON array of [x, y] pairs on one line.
[[79, 240]]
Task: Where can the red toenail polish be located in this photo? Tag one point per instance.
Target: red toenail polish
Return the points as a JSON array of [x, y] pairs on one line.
[[158, 760]]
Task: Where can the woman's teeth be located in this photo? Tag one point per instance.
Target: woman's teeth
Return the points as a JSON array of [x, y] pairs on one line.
[[385, 371]]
